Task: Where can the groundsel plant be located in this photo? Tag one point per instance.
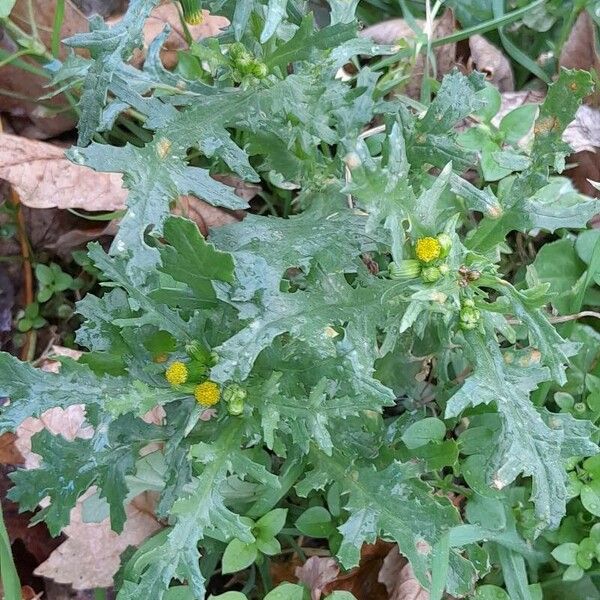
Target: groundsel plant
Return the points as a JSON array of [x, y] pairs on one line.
[[366, 354]]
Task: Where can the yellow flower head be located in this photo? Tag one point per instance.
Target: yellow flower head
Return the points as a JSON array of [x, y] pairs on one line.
[[428, 249], [207, 393], [177, 373]]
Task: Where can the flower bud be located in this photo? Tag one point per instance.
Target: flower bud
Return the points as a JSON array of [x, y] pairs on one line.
[[405, 269], [445, 242], [198, 351], [444, 268], [234, 395], [259, 69], [235, 408], [236, 50], [469, 315], [430, 274]]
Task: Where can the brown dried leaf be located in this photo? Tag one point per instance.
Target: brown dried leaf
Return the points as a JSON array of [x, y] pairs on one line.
[[205, 215], [73, 22], [9, 453], [585, 167], [398, 577], [284, 570], [584, 132], [68, 422], [363, 580], [316, 573], [36, 539], [579, 51], [489, 59], [168, 14], [44, 178], [31, 118], [389, 32], [90, 557]]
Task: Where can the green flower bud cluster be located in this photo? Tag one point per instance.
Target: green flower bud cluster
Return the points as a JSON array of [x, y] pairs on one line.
[[245, 64], [469, 315], [404, 270], [235, 395], [201, 354]]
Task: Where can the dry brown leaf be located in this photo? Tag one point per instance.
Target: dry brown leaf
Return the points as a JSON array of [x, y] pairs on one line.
[[48, 361], [363, 580], [90, 557], [44, 178], [9, 453], [579, 51], [73, 22], [398, 577], [389, 32], [489, 59], [584, 167], [168, 14], [80, 236], [35, 119], [584, 132], [284, 570], [316, 573], [37, 541], [68, 422], [104, 8], [205, 215]]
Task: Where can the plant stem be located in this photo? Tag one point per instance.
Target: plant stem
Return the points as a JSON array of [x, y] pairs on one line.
[[490, 25], [8, 571], [59, 16]]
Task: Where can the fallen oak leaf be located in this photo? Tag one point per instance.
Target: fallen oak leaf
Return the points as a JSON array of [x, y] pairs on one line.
[[90, 556], [316, 573], [68, 422], [489, 59], [363, 581], [580, 50], [398, 577], [44, 178]]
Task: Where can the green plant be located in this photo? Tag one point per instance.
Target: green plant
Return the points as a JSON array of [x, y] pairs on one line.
[[305, 368]]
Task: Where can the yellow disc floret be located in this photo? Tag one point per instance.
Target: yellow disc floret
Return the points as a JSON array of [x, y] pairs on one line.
[[177, 373], [428, 249], [207, 393]]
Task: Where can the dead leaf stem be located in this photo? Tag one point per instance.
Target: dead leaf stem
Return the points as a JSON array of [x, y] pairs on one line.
[[29, 347]]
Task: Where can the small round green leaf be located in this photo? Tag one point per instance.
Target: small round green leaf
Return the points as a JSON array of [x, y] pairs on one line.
[[270, 546], [288, 591], [229, 596], [566, 554], [590, 497], [270, 524], [44, 274], [573, 573], [430, 429], [316, 522], [238, 556], [490, 592]]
